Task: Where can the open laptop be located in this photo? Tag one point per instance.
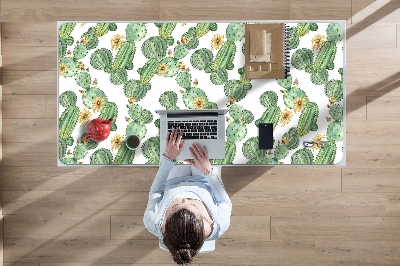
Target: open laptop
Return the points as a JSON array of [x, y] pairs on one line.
[[204, 127]]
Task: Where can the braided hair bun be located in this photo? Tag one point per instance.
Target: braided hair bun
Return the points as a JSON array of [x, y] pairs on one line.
[[184, 254]]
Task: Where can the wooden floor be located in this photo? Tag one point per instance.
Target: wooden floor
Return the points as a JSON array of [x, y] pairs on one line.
[[93, 215]]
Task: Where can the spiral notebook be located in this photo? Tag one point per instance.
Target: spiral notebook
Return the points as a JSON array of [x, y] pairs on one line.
[[266, 51]]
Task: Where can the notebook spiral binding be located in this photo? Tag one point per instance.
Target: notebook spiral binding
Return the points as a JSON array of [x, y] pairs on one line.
[[286, 51]]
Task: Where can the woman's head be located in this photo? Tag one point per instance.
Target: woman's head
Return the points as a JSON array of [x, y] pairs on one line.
[[184, 235]]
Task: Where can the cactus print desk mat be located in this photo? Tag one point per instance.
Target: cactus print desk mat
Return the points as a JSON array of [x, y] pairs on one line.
[[128, 70]]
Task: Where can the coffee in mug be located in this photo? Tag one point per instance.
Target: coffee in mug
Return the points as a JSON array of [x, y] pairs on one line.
[[132, 142]]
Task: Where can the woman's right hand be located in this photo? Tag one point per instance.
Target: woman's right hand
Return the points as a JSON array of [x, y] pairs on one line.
[[200, 159]]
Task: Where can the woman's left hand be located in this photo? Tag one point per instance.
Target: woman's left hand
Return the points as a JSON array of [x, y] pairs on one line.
[[174, 144]]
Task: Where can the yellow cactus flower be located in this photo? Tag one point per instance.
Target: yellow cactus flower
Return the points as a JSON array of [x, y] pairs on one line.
[[332, 100], [84, 116], [62, 68], [199, 103], [317, 138], [84, 40], [286, 117], [117, 41], [98, 104], [163, 68], [299, 104], [116, 142], [217, 41], [81, 66], [317, 41], [131, 99], [285, 140], [184, 40]]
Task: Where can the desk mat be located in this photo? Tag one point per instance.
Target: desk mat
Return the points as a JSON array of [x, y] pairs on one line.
[[128, 70]]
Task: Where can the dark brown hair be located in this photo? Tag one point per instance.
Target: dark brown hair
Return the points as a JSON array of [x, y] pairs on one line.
[[184, 235]]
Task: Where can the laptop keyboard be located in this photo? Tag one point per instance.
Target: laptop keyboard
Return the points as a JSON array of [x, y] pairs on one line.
[[196, 129]]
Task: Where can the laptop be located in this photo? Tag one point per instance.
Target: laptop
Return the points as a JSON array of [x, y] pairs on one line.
[[204, 127]]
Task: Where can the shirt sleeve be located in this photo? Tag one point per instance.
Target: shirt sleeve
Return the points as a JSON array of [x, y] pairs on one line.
[[156, 194], [222, 199]]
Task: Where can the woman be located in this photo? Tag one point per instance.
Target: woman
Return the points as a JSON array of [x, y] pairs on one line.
[[186, 210]]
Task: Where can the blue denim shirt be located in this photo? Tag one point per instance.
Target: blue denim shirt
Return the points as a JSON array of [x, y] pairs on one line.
[[208, 188]]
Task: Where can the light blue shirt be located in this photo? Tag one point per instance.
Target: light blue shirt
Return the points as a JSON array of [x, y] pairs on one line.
[[209, 188]]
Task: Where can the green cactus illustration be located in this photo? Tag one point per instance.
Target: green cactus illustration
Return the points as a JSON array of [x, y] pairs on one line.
[[146, 116], [124, 155], [135, 111], [171, 65], [90, 37], [68, 121], [202, 59], [154, 48], [151, 150], [230, 153], [168, 99], [237, 130], [89, 143], [83, 79], [302, 156], [334, 88], [149, 69], [62, 48], [334, 32], [302, 59], [69, 141], [191, 95], [140, 118], [125, 56], [101, 156], [225, 56], [308, 119], [110, 110], [135, 32], [291, 139], [118, 76], [204, 27], [319, 77], [219, 77], [256, 156], [136, 89], [334, 132], [269, 99], [291, 93], [184, 79], [326, 56], [235, 32], [304, 27], [90, 95], [165, 30], [190, 39], [103, 28], [80, 51], [137, 128], [180, 51], [336, 112], [326, 154], [280, 152], [285, 83], [236, 90], [67, 160], [80, 151], [67, 99], [70, 66], [66, 29], [294, 40], [62, 148], [101, 59]]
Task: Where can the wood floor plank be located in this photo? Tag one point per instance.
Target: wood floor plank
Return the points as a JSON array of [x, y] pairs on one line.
[[373, 131], [102, 178], [224, 10], [30, 154], [309, 204], [335, 228], [32, 62], [384, 180], [29, 82], [28, 130], [383, 108], [128, 227], [284, 179], [41, 10], [363, 252], [370, 12], [384, 36], [356, 108], [147, 251], [21, 264], [51, 106], [28, 33], [24, 106], [372, 155], [107, 203], [393, 204], [33, 202], [358, 6], [51, 226], [113, 264], [333, 9]]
